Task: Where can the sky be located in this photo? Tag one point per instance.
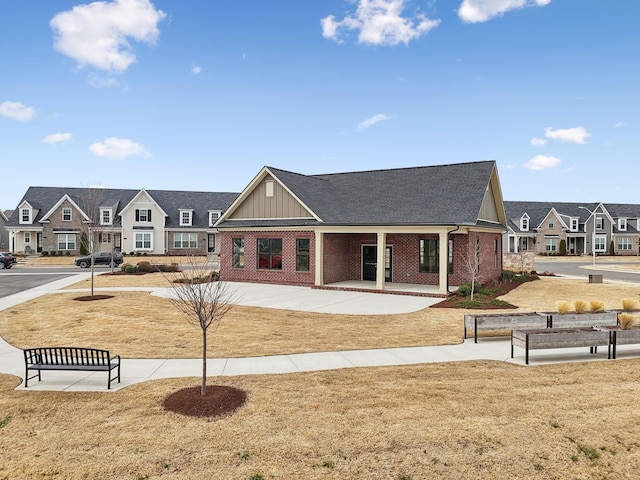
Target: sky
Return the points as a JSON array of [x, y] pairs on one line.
[[201, 94]]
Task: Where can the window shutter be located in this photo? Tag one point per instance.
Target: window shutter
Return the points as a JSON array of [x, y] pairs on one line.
[[149, 215], [137, 215]]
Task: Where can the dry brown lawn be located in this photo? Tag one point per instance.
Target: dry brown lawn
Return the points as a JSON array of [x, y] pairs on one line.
[[469, 420]]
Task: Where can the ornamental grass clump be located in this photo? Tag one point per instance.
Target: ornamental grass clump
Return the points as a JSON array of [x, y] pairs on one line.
[[563, 307], [627, 321], [596, 306], [580, 306], [629, 304]]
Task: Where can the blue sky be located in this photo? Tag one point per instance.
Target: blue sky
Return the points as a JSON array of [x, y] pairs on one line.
[[200, 94]]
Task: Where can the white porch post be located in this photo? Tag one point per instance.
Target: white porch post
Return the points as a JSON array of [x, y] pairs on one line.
[[319, 267], [443, 262], [381, 248]]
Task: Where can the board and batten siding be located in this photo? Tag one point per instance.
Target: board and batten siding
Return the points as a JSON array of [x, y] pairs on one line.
[[489, 210], [280, 205]]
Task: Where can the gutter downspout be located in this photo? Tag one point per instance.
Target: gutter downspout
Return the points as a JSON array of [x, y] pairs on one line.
[[451, 231]]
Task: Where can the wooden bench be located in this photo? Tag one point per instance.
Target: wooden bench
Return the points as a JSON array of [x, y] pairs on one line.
[[70, 358], [508, 321]]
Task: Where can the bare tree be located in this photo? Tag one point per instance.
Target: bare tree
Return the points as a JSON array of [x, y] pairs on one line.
[[470, 260], [90, 226], [203, 299]]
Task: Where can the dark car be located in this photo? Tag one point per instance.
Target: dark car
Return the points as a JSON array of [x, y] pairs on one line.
[[10, 255], [5, 261], [99, 258]]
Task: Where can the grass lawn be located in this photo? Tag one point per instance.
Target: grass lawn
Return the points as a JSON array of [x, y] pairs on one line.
[[470, 420]]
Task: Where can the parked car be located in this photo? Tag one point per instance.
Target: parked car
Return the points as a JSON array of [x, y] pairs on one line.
[[5, 262], [99, 258], [11, 256]]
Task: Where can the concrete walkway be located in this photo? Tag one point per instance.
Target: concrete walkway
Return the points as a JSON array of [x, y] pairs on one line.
[[273, 296]]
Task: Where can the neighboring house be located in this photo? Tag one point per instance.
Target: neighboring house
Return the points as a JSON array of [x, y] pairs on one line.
[[4, 235], [145, 221], [422, 225], [540, 227]]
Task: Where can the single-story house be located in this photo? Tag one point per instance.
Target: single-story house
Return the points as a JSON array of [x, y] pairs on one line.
[[432, 225]]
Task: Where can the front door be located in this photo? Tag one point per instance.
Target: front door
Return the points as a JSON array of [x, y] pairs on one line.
[[370, 260]]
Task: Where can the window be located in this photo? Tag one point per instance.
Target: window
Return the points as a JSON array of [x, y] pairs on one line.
[[213, 218], [270, 253], [428, 256], [66, 214], [143, 241], [599, 223], [27, 237], [238, 253], [25, 215], [551, 245], [185, 217], [622, 224], [185, 240], [269, 188], [551, 223], [105, 237], [625, 243], [302, 254], [601, 244], [574, 224], [66, 241], [105, 217], [524, 224], [143, 215], [495, 254]]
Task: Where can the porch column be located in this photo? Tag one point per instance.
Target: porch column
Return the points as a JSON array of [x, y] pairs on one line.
[[381, 249], [319, 256], [443, 262]]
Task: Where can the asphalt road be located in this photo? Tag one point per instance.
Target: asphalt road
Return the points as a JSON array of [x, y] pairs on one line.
[[577, 269], [18, 278]]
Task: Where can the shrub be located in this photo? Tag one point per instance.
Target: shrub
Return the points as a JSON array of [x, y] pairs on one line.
[[128, 268], [146, 267], [45, 253], [612, 250], [580, 306], [464, 290], [596, 306], [67, 253], [469, 304], [508, 275], [500, 303], [627, 320], [563, 307], [629, 304], [53, 253], [563, 247]]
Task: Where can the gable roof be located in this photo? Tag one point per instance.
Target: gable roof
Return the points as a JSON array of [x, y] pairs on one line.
[[432, 195], [43, 199]]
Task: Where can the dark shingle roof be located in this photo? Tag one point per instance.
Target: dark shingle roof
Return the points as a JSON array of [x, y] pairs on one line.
[[433, 195], [44, 199]]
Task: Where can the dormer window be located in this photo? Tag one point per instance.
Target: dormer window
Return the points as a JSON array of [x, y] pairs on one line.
[[551, 223], [622, 224], [143, 215], [574, 224], [25, 215], [213, 217], [66, 214], [185, 217], [105, 217], [524, 224]]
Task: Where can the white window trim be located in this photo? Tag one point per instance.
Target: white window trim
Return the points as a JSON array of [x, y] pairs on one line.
[[622, 224], [597, 240], [212, 221], [30, 213], [189, 221], [190, 236], [524, 224], [575, 224], [102, 212], [135, 241], [70, 214]]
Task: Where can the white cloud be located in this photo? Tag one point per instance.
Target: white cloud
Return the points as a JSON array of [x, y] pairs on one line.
[[574, 135], [97, 34], [620, 124], [98, 81], [196, 70], [118, 148], [369, 122], [57, 138], [538, 142], [476, 11], [379, 22], [542, 162], [16, 111]]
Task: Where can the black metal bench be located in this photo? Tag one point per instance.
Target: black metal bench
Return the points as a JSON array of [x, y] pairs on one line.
[[70, 358]]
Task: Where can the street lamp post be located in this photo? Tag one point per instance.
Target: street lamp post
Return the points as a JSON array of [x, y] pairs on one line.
[[593, 235]]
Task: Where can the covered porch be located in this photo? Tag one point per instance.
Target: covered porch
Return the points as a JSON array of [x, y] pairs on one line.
[[389, 288]]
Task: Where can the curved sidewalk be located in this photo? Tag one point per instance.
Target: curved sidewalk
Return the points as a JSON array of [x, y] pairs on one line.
[[135, 371]]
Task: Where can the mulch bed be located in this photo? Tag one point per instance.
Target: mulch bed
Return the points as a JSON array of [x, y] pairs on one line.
[[90, 298], [220, 400], [485, 300]]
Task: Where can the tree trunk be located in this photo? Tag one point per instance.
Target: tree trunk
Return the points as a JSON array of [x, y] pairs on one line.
[[203, 390]]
